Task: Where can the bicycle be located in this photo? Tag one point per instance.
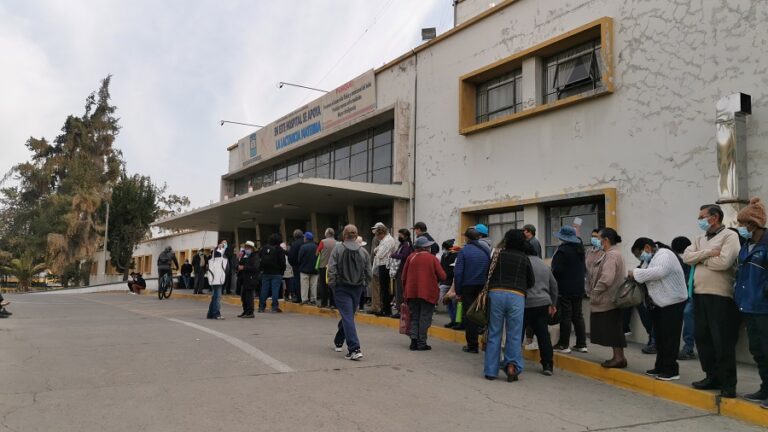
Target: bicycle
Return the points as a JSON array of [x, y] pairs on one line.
[[165, 286]]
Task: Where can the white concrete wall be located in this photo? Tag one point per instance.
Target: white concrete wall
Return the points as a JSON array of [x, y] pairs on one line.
[[653, 139], [179, 242]]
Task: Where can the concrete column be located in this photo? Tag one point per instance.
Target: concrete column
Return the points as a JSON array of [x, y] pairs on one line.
[[313, 224], [258, 235], [237, 237], [533, 82], [401, 144], [283, 232], [399, 214], [351, 215]]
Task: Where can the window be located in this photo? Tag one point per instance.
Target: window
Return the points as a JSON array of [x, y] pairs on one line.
[[323, 162], [573, 71], [341, 162], [292, 170], [500, 96], [591, 212], [499, 223], [241, 186], [308, 166]]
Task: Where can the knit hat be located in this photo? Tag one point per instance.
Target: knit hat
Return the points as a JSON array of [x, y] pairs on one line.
[[754, 212]]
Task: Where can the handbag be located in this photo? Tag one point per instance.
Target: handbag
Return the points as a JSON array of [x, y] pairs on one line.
[[477, 313], [405, 319], [630, 294]]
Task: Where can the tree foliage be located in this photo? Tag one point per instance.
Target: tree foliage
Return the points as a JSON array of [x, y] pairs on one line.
[[23, 269], [135, 205]]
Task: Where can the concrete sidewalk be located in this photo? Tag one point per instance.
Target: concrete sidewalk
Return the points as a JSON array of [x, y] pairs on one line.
[[632, 378]]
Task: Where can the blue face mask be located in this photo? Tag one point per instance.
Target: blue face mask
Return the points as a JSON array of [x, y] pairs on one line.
[[596, 243], [744, 232], [704, 225], [645, 257]]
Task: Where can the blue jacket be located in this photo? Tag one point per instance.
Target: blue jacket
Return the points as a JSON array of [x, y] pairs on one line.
[[307, 258], [751, 288], [471, 266]]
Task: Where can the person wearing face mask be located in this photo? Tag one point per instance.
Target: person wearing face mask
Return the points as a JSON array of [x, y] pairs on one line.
[[751, 290], [569, 270], [592, 258], [713, 258], [605, 318], [250, 268], [660, 270], [397, 262]]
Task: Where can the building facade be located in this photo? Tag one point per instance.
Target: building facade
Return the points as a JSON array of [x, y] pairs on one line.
[[525, 112]]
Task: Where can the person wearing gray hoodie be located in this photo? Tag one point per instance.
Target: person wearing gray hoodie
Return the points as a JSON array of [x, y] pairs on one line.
[[348, 274], [540, 306]]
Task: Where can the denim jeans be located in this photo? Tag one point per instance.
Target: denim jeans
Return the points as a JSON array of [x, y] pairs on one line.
[[506, 309], [214, 309], [689, 342], [347, 300], [185, 279], [270, 284]]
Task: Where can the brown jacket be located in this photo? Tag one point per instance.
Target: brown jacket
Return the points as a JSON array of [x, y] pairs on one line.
[[610, 275]]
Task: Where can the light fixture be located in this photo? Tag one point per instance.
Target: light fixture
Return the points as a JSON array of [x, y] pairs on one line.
[[283, 83], [221, 123]]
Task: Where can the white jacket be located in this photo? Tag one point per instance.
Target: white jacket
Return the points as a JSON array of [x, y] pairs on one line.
[[217, 270], [664, 278]]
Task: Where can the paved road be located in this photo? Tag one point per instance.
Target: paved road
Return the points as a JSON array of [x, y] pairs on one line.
[[115, 362]]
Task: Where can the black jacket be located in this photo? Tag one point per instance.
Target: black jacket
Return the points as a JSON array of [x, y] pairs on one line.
[[293, 252], [569, 269], [448, 258], [434, 249], [198, 263], [307, 258], [186, 269], [251, 270], [513, 271], [272, 260]]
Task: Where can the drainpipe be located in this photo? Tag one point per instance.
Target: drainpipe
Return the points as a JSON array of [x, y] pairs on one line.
[[415, 128]]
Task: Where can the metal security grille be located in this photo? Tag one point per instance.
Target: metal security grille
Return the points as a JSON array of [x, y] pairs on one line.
[[500, 96], [573, 71]]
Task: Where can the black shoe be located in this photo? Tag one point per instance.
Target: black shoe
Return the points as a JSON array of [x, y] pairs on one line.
[[5, 314], [413, 345], [395, 316], [706, 384], [261, 310], [547, 371], [450, 325], [241, 315], [459, 327], [468, 349], [728, 394], [686, 355], [653, 372], [757, 396], [424, 348], [649, 349], [490, 378], [248, 316]]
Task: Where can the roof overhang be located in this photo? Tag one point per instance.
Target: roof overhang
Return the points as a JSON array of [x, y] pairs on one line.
[[294, 199]]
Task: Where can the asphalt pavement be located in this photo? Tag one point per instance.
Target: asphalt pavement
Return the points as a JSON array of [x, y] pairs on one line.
[[117, 362]]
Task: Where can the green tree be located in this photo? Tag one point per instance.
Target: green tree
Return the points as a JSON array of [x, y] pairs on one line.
[[133, 208], [23, 269]]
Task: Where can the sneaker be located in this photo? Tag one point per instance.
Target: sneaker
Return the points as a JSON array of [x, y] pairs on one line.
[[649, 349], [561, 348], [337, 348], [668, 377], [547, 372], [424, 348], [627, 334], [757, 396], [241, 315], [764, 405], [652, 373], [581, 349], [450, 325], [4, 314], [354, 355], [220, 318], [686, 355], [533, 346], [278, 310], [5, 303], [248, 316]]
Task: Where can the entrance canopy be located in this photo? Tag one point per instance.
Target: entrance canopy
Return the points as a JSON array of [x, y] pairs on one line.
[[294, 199]]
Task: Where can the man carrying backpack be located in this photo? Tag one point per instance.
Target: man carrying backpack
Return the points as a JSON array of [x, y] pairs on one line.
[[164, 261], [272, 270], [348, 274]]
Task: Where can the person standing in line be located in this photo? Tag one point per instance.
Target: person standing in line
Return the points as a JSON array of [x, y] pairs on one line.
[[323, 252], [511, 276], [218, 268], [381, 255], [469, 278], [530, 235], [272, 263], [374, 290], [348, 273], [593, 255], [484, 239], [751, 290], [287, 275], [307, 261], [231, 275], [605, 318], [404, 250], [447, 261], [714, 256], [293, 260], [249, 267], [679, 244], [663, 275], [199, 264], [568, 266], [421, 275], [419, 230], [540, 301], [186, 274]]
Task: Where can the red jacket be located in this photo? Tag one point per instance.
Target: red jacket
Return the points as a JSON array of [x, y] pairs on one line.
[[421, 274]]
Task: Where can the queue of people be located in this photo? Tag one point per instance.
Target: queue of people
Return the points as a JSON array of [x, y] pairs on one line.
[[700, 290]]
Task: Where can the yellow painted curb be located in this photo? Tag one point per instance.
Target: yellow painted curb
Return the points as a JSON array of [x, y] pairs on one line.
[[707, 401], [743, 410]]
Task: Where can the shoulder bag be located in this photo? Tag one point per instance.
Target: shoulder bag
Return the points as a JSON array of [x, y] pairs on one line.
[[477, 313]]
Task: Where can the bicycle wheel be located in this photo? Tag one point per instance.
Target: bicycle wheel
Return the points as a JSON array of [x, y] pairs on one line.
[[160, 289], [168, 287]]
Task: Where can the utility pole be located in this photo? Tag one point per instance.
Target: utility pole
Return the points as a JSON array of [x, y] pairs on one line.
[[106, 239]]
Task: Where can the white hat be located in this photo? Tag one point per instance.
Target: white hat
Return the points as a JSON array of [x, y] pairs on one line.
[[379, 226], [250, 243]]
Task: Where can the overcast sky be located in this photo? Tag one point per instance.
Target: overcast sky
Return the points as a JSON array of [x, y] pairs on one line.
[[179, 66]]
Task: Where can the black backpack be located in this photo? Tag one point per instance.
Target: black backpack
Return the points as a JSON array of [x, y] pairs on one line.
[[351, 268], [164, 259]]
